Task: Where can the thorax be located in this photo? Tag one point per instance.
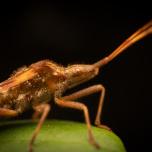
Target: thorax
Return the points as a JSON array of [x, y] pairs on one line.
[[21, 91]]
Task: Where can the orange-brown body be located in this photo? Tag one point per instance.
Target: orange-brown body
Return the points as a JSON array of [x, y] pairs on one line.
[[30, 86], [39, 83]]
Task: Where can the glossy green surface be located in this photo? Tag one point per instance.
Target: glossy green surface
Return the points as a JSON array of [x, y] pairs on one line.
[[56, 136]]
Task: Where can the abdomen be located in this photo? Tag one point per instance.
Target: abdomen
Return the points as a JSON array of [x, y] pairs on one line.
[[25, 100]]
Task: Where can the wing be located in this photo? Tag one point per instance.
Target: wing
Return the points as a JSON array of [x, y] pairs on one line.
[[18, 71], [19, 77], [26, 73]]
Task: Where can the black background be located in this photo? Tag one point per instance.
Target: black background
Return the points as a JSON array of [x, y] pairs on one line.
[[80, 32]]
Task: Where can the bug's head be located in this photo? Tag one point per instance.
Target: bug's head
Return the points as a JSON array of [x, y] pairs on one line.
[[80, 73]]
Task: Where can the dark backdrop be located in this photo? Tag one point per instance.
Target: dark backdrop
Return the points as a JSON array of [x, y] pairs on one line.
[[84, 33]]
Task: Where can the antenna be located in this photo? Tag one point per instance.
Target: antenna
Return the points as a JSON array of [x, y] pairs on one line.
[[138, 35]]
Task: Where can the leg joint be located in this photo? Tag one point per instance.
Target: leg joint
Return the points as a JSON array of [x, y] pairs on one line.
[[100, 87]]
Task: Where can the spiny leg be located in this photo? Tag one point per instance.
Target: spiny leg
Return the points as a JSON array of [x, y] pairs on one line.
[[4, 112], [89, 91], [44, 110], [80, 106]]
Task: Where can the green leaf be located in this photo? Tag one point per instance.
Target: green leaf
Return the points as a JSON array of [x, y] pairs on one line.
[[56, 136]]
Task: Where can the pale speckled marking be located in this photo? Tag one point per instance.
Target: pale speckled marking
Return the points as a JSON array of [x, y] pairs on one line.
[[21, 96], [55, 74]]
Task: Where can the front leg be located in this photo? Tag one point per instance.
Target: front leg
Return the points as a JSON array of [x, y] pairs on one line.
[[89, 91], [79, 106], [6, 113]]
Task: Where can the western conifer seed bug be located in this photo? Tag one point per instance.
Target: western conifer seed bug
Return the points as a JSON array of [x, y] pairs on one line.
[[34, 86]]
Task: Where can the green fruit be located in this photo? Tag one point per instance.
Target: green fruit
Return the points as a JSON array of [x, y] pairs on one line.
[[56, 136]]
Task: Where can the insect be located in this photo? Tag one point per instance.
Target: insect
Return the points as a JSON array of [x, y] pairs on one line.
[[34, 87]]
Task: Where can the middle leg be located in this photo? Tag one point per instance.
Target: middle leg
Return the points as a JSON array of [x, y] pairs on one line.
[[42, 109]]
